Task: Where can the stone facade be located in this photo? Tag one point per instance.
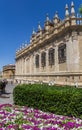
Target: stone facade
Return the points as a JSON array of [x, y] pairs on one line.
[[54, 54], [8, 71]]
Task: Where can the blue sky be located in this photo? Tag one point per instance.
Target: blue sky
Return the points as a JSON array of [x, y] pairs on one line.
[[19, 17]]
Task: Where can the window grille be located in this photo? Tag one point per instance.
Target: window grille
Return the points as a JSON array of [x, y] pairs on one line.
[[37, 61], [62, 53], [43, 59], [51, 56]]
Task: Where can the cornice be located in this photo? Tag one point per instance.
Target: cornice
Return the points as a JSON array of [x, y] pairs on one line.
[[57, 31]]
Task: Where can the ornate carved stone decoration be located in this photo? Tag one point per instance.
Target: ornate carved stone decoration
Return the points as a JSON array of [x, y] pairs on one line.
[[62, 53], [54, 52], [74, 35]]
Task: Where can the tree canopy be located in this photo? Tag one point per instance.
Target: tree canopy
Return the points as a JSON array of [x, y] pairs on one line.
[[80, 9]]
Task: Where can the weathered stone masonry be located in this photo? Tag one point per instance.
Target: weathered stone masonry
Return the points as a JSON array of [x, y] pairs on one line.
[[54, 53]]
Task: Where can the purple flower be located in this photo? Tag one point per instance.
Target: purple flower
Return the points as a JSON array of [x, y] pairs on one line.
[[36, 128], [28, 118], [70, 124]]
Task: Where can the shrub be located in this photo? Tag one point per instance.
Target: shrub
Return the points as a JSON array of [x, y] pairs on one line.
[[59, 100]]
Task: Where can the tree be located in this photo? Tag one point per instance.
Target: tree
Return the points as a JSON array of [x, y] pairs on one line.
[[80, 9]]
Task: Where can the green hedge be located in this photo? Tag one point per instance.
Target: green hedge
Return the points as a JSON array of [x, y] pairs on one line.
[[59, 100]]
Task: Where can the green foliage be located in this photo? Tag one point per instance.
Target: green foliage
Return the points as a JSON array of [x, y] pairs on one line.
[[7, 109], [80, 9], [59, 100]]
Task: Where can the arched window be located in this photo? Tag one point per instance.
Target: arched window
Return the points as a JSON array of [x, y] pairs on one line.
[[51, 56], [43, 59], [37, 61], [62, 53]]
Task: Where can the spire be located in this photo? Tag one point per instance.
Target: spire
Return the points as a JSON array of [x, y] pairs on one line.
[[39, 27], [33, 36], [66, 12], [33, 33], [67, 18], [55, 19], [47, 23], [47, 19], [56, 15], [72, 10]]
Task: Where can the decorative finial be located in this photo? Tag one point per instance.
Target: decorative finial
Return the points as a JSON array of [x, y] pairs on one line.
[[56, 15], [16, 51], [55, 19], [23, 45], [67, 12], [47, 22], [72, 4], [20, 47], [33, 32], [39, 27], [72, 10], [47, 18]]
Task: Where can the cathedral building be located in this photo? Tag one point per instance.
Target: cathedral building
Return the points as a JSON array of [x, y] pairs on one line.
[[54, 54]]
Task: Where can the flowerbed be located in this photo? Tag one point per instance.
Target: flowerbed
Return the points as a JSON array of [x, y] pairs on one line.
[[24, 118]]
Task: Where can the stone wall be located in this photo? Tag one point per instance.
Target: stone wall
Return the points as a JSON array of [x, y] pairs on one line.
[[65, 37]]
